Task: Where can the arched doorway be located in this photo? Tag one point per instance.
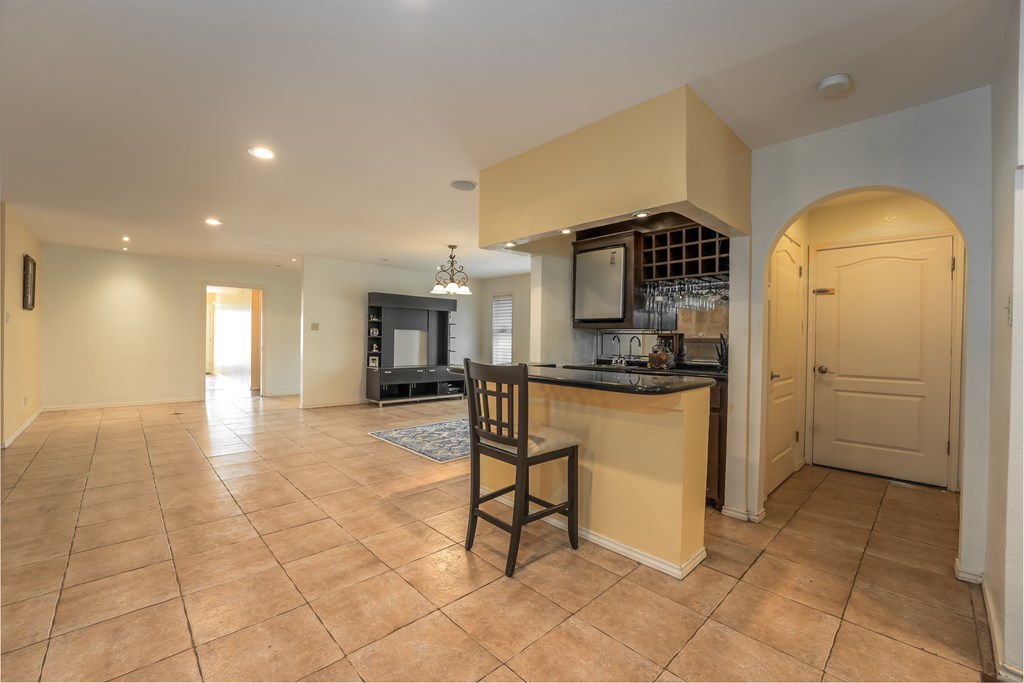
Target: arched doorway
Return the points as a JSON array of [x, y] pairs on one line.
[[864, 375]]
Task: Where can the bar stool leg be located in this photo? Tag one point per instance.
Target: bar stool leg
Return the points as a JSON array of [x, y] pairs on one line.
[[474, 497], [519, 512], [573, 485]]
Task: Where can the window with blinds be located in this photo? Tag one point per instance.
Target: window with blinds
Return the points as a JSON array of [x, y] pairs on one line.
[[501, 329]]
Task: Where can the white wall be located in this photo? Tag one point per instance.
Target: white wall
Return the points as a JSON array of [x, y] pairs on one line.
[[941, 150], [1003, 563], [518, 287], [552, 336], [334, 295], [130, 328]]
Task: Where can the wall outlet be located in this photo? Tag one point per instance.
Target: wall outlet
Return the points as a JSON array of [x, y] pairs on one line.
[[315, 327]]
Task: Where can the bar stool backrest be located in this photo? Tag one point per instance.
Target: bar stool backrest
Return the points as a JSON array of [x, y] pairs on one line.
[[498, 407]]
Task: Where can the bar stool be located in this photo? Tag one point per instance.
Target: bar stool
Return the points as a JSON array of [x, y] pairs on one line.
[[499, 427]]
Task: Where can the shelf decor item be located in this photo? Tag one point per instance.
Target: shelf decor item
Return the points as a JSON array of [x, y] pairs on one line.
[[373, 361], [451, 278], [28, 289]]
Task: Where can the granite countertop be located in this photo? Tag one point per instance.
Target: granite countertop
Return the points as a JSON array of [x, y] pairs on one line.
[[626, 382], [708, 371]]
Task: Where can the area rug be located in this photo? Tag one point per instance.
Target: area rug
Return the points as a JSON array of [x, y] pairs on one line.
[[440, 441]]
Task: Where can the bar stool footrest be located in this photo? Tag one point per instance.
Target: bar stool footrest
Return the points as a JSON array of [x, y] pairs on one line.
[[488, 517], [500, 492]]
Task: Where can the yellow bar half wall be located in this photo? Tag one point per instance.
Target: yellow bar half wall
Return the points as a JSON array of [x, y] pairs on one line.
[[670, 153]]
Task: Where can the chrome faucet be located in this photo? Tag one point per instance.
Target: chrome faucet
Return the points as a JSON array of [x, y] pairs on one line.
[[617, 349], [639, 345]]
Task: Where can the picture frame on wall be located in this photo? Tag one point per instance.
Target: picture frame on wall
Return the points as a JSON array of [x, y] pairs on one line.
[[373, 361], [28, 287]]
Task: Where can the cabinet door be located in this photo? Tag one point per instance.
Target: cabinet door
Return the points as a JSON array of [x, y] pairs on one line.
[[714, 420], [402, 375]]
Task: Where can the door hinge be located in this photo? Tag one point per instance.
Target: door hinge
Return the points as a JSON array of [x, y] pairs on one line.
[[947, 448], [801, 272], [798, 436], [952, 268]]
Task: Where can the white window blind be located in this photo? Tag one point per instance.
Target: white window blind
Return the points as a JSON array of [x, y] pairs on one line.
[[501, 329]]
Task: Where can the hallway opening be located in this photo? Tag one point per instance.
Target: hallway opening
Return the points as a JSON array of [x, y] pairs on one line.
[[234, 342]]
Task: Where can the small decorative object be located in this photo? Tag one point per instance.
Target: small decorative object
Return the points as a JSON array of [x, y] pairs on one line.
[[658, 358], [28, 287], [374, 332], [373, 362], [375, 348], [451, 278]]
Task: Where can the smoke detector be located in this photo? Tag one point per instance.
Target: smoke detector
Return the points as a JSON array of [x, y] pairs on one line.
[[834, 85]]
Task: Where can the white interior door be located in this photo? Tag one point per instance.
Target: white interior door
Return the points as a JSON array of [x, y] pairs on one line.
[[882, 358], [785, 360], [209, 337]]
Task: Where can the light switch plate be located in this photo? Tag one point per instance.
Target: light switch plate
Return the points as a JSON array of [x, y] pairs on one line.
[[315, 327]]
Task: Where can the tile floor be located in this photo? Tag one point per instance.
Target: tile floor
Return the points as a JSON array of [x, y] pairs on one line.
[[244, 539]]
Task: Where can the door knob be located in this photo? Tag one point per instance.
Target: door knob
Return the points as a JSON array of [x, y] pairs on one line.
[[775, 375], [823, 370]]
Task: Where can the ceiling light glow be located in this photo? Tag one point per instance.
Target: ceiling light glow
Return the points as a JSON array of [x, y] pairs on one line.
[[126, 238], [261, 152], [124, 248], [641, 214], [510, 244], [566, 231], [213, 221]]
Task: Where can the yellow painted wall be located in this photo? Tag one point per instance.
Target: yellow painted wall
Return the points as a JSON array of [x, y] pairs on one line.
[[883, 216], [636, 159], [21, 338]]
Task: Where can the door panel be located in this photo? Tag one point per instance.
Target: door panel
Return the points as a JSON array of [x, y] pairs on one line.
[[883, 343], [785, 339]]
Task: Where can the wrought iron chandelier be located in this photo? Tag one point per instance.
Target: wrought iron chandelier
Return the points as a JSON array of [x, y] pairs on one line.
[[451, 278]]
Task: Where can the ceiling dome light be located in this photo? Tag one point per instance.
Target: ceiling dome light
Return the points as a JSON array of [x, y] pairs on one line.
[[465, 185], [510, 244], [124, 248], [213, 221], [261, 152], [641, 214], [126, 238], [835, 85], [565, 231]]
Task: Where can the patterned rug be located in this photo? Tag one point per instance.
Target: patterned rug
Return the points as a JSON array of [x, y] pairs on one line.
[[441, 441]]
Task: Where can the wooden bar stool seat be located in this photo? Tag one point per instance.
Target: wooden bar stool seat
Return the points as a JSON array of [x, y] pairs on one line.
[[499, 428]]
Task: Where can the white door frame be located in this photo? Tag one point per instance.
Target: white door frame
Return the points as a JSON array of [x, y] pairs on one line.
[[263, 327], [956, 357]]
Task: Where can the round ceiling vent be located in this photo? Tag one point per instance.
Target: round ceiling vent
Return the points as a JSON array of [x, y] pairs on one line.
[[464, 185], [834, 85]]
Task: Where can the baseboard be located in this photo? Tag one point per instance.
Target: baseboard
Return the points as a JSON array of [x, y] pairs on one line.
[[743, 515], [310, 406], [1004, 671], [646, 559], [966, 574], [7, 443], [121, 404]]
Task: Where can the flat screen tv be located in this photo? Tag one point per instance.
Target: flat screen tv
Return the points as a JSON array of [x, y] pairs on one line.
[[410, 347]]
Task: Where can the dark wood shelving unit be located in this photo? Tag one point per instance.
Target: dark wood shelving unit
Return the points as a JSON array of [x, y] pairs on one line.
[[686, 251]]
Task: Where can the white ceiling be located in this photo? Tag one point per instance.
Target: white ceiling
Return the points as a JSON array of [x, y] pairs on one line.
[[126, 117]]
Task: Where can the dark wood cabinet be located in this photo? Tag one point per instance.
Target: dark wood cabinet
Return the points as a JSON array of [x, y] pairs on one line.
[[717, 426], [420, 373]]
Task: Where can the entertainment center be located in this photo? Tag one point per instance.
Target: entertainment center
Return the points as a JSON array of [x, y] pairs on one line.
[[408, 349]]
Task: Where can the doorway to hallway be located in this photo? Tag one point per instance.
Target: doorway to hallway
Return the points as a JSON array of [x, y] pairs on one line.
[[234, 342]]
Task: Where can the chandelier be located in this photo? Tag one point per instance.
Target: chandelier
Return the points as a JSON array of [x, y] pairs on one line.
[[451, 278]]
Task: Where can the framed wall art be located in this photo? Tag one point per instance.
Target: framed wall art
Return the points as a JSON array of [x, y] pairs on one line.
[[28, 287]]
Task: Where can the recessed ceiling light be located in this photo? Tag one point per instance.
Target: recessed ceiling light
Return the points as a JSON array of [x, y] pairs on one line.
[[213, 221], [294, 260], [261, 152], [465, 185], [566, 231], [641, 214], [834, 85], [126, 238], [510, 244], [124, 248]]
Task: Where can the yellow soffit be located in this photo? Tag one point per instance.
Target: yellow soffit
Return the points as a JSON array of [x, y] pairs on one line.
[[670, 153]]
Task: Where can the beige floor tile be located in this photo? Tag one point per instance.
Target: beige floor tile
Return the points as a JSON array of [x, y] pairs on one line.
[[118, 646], [825, 505], [840, 491], [643, 620], [727, 556], [30, 580], [505, 616], [231, 606], [261, 491], [118, 509], [944, 535], [915, 553], [187, 480], [778, 514], [334, 569], [602, 557], [26, 526], [795, 629], [746, 533], [223, 564], [36, 549], [283, 648], [576, 651], [192, 495], [915, 623], [341, 670], [901, 498], [491, 544], [286, 516], [406, 543], [938, 590], [807, 585], [813, 552], [308, 539], [702, 589], [793, 492], [811, 473], [836, 533], [373, 519], [24, 664], [117, 530], [427, 503], [863, 655], [242, 469], [448, 574], [431, 649], [719, 653], [393, 489], [346, 502], [453, 524], [200, 513], [501, 674], [322, 486], [360, 614], [26, 622], [566, 579], [180, 667], [197, 539], [103, 599]]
